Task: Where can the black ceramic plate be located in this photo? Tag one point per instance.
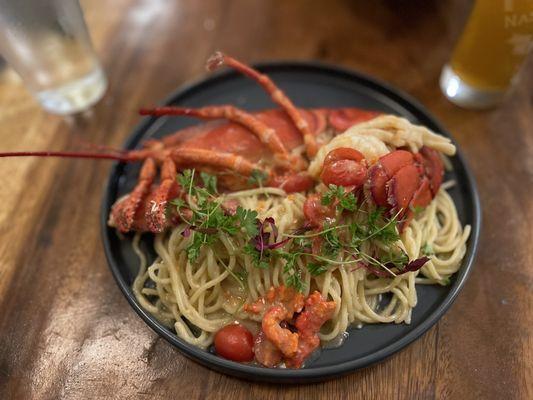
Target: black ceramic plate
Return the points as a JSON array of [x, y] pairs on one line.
[[308, 85]]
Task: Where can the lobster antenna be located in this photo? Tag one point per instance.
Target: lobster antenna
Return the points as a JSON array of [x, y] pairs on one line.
[[68, 154]]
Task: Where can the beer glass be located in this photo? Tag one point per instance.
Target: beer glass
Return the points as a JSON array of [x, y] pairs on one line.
[[47, 44], [494, 43]]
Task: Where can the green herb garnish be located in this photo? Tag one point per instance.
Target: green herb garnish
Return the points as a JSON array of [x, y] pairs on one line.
[[345, 201], [257, 178], [427, 249], [316, 269], [247, 220], [335, 244]]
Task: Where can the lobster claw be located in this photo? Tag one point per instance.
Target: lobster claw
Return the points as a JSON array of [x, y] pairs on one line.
[[123, 214], [144, 209]]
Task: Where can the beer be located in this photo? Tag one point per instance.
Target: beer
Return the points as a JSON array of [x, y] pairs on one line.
[[495, 42]]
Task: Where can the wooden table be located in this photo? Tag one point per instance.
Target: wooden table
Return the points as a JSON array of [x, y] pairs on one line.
[[66, 331]]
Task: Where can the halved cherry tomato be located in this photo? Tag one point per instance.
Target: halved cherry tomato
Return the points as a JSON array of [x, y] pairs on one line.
[[343, 153], [235, 343], [344, 173], [315, 212]]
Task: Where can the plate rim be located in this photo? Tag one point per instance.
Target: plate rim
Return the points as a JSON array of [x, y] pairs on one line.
[[311, 374]]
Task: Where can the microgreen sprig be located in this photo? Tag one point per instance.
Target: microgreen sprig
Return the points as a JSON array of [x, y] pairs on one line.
[[340, 245]]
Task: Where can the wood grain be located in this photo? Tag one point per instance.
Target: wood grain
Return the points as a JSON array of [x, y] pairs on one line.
[[65, 329]]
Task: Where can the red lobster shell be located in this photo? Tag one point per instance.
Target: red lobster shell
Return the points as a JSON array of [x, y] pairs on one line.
[[278, 142]]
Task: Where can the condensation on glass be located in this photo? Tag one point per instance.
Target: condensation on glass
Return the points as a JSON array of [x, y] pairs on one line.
[[48, 45]]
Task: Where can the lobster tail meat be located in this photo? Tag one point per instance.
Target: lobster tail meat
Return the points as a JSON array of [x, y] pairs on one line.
[[382, 171], [432, 166], [401, 188], [402, 181], [399, 181]]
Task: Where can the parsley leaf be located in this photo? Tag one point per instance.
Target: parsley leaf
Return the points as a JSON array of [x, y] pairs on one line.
[[179, 203], [293, 274], [294, 279], [207, 215], [348, 202], [345, 201], [193, 250], [333, 192], [379, 228], [302, 243], [210, 182], [260, 260], [186, 179], [331, 245], [247, 220], [316, 269]]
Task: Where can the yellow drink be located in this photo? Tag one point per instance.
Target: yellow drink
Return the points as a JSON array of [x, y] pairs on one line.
[[495, 42]]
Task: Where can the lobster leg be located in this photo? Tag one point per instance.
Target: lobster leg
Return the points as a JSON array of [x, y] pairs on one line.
[[185, 155], [218, 59], [156, 218], [123, 212], [266, 134]]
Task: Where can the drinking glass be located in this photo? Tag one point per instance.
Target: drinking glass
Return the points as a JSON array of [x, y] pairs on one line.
[[47, 44], [495, 42]]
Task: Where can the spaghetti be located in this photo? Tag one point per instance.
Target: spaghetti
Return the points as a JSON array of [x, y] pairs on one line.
[[206, 294], [198, 296]]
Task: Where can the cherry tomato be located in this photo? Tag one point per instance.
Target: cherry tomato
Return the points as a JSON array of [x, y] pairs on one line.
[[235, 343], [344, 173], [343, 153], [315, 212]]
